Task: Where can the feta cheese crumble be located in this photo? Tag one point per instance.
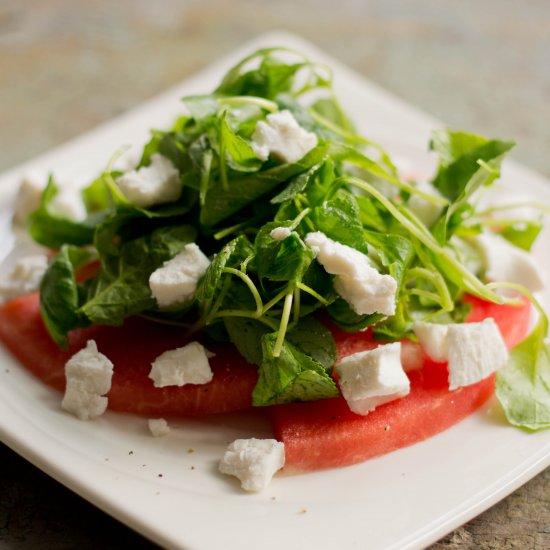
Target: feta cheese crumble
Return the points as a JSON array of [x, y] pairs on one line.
[[253, 461], [363, 287], [158, 427], [371, 378], [473, 351], [505, 262], [157, 183], [433, 339], [24, 278], [176, 281], [88, 375], [280, 233], [180, 366], [282, 137]]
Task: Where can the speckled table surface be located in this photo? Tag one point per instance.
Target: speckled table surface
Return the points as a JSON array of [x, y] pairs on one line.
[[66, 66]]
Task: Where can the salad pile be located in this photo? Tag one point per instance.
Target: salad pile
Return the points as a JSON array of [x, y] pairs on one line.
[[257, 176]]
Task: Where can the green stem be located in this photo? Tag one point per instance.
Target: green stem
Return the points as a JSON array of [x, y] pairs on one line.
[[251, 286], [299, 218], [248, 314], [312, 292], [275, 300], [260, 102], [287, 308], [296, 310], [472, 283]]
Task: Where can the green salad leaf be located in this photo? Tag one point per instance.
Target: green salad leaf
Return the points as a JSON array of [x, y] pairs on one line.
[[523, 385]]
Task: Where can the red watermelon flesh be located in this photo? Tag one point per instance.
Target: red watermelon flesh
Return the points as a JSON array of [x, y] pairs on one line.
[[131, 348], [326, 434], [317, 435]]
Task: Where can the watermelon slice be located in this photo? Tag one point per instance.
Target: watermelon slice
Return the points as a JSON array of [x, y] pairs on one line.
[[317, 435], [326, 434], [131, 348]]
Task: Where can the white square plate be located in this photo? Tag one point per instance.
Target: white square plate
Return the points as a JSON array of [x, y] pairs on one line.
[[406, 499]]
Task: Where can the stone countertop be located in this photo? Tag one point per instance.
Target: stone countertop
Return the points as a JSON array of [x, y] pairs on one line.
[[66, 66]]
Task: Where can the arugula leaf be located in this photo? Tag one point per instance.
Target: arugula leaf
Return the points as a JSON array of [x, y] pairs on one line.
[[522, 233], [459, 210], [523, 385], [459, 154], [59, 292], [292, 376], [123, 290], [54, 230]]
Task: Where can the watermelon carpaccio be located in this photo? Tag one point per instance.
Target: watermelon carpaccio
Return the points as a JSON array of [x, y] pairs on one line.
[[317, 435]]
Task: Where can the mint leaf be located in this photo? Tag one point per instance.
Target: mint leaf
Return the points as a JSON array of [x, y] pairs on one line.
[[54, 230], [311, 337], [238, 154], [339, 219], [292, 376], [220, 202], [231, 255], [60, 294], [285, 260]]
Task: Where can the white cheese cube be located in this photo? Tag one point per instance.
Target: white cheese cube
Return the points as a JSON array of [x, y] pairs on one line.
[[337, 258], [180, 366], [370, 378], [253, 461], [373, 293], [433, 339], [176, 281], [157, 183], [84, 405], [505, 262], [475, 351], [89, 370], [427, 212], [282, 137], [88, 375], [28, 197], [158, 427], [363, 287], [280, 233], [24, 278]]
